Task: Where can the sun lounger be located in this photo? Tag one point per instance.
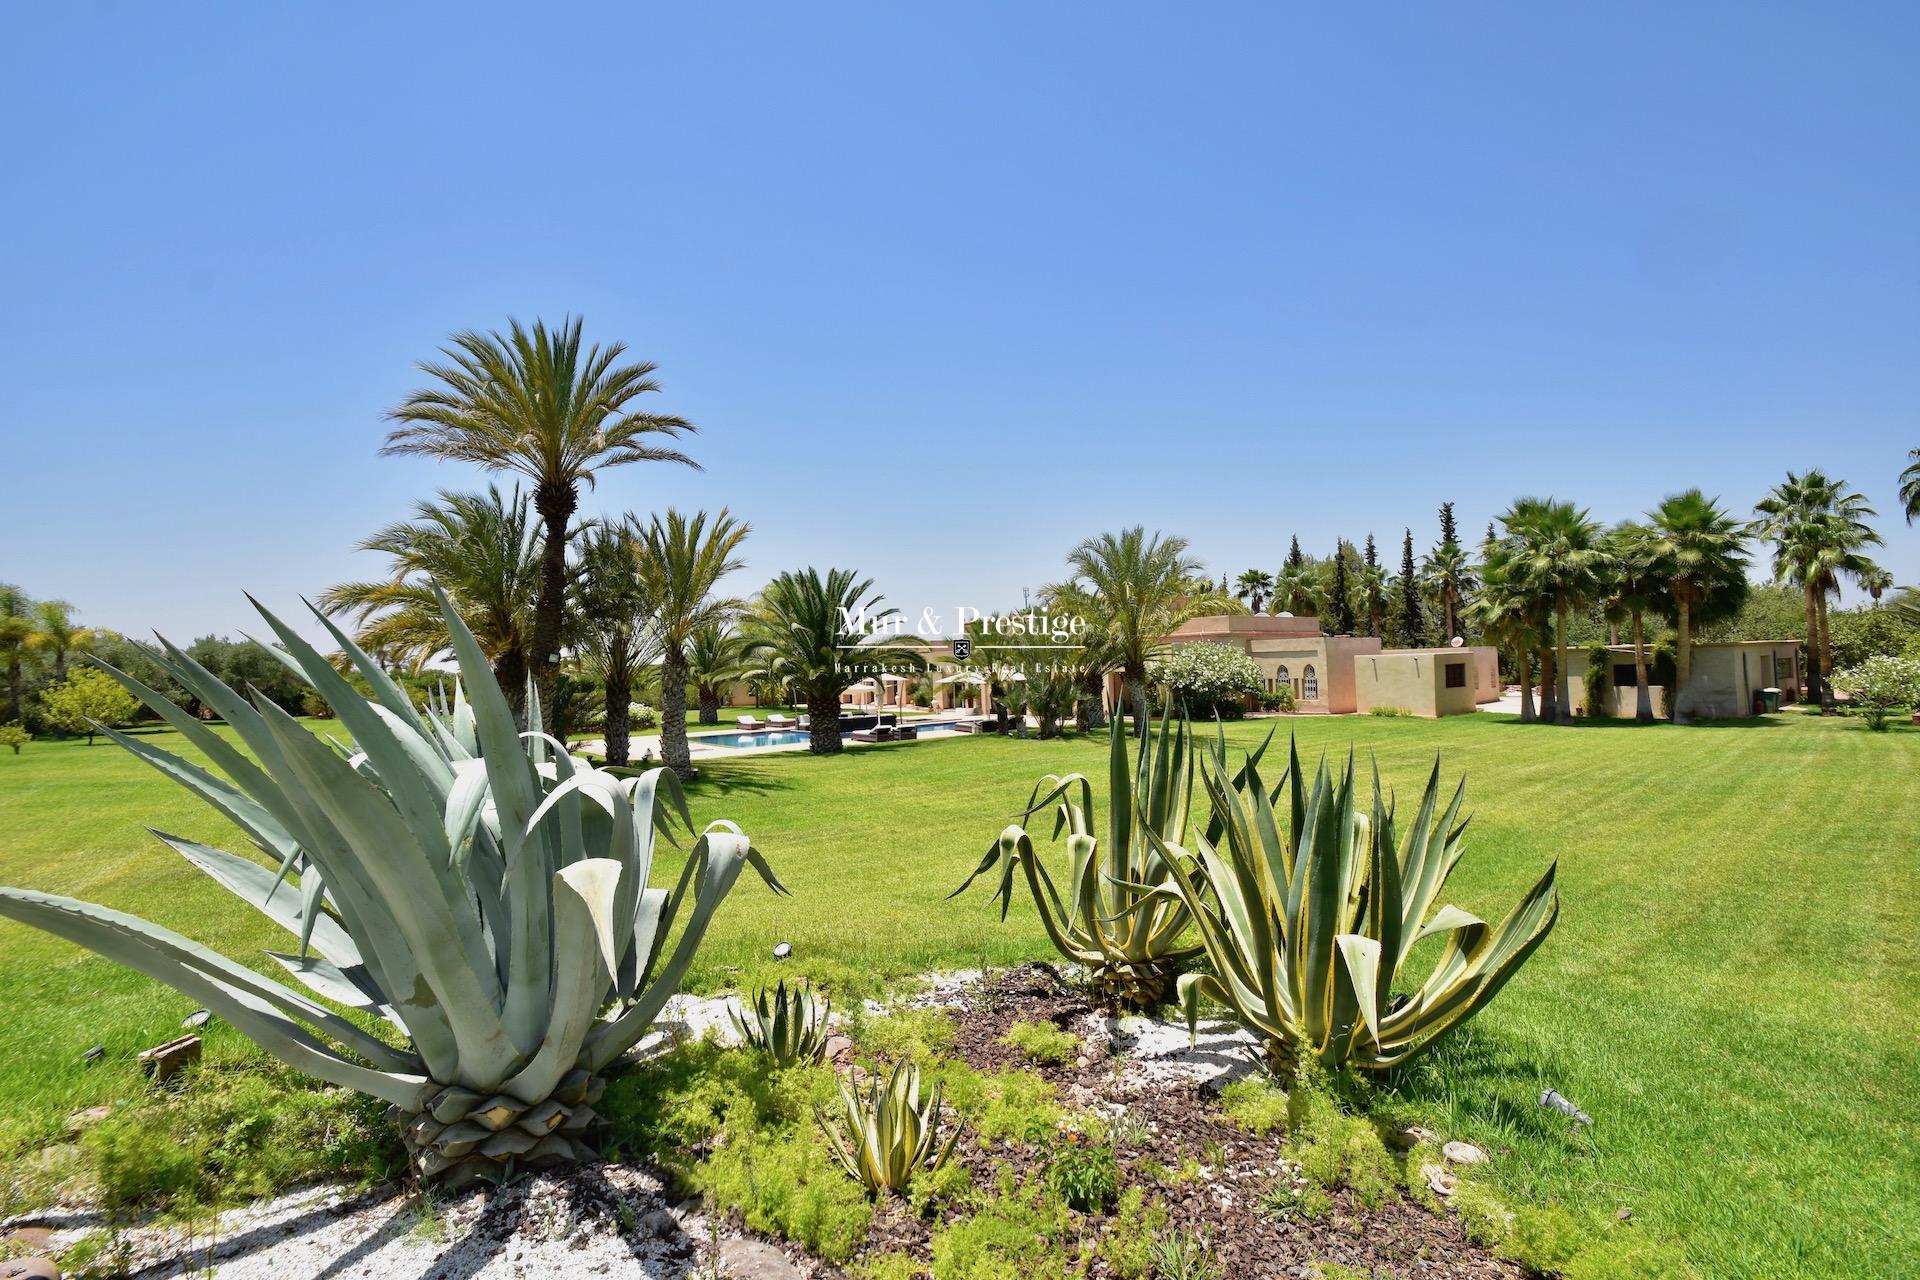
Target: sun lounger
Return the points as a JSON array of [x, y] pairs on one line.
[[750, 722], [778, 721]]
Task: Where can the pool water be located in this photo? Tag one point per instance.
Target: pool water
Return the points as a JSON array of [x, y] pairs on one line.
[[787, 737]]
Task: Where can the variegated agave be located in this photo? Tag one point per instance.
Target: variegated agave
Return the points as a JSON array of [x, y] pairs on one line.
[[1308, 922], [789, 1026], [888, 1134], [480, 889], [1121, 919]]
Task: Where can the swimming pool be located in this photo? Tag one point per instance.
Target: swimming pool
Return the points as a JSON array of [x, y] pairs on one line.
[[786, 737]]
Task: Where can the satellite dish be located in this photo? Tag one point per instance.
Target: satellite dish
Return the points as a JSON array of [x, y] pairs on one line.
[[1283, 615], [1456, 642]]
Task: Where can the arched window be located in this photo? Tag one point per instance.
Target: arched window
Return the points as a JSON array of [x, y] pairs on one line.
[[1280, 677], [1309, 684]]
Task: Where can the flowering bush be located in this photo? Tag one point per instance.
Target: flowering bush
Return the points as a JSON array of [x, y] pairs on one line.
[[1879, 684], [642, 716], [1210, 679]]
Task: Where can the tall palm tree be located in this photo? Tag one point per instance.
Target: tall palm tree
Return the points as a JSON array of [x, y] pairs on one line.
[[1557, 550], [1819, 532], [1137, 588], [680, 561], [611, 626], [56, 633], [535, 402], [1296, 589], [1910, 487], [716, 658], [1876, 581], [1506, 612], [1701, 552], [485, 551], [1253, 586], [1449, 573], [1641, 582], [16, 633], [806, 622]]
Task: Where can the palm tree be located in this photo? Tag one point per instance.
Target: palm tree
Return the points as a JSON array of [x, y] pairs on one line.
[[485, 551], [611, 626], [1819, 530], [716, 658], [1505, 611], [1558, 552], [1296, 589], [1875, 581], [1641, 581], [1135, 589], [1910, 487], [1253, 586], [1701, 552], [55, 632], [16, 631], [680, 561], [532, 401], [807, 623], [1449, 573]]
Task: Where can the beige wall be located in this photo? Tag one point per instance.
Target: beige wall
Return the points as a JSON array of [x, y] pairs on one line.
[[1414, 679], [1725, 678]]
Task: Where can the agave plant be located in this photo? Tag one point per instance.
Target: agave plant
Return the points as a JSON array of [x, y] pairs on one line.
[[889, 1135], [789, 1026], [1308, 923], [1120, 919], [480, 890]]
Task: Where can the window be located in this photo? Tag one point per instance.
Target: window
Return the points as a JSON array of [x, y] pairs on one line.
[[1623, 677], [1456, 675], [1309, 684], [1281, 675]]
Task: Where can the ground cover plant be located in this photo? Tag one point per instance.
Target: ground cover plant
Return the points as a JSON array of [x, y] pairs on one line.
[[1749, 884]]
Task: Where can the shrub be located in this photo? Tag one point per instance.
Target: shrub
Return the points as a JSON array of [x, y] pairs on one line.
[[1001, 1106], [1597, 681], [86, 699], [642, 716], [1127, 1244], [1390, 712], [1042, 1042], [1280, 699], [907, 1033], [1081, 1173], [15, 736], [1255, 1105], [1210, 679], [1014, 1235], [1880, 684]]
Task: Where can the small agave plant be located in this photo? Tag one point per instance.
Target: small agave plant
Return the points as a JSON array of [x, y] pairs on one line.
[[789, 1026], [1120, 917], [479, 890], [888, 1134], [1309, 919]]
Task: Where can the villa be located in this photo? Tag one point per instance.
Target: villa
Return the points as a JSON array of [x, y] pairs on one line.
[[1730, 678]]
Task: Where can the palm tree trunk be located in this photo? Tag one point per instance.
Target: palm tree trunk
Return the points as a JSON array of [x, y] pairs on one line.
[[1682, 655], [709, 704], [1088, 714], [556, 504], [673, 714], [1564, 714], [510, 673], [823, 722], [1814, 691], [1826, 652], [1642, 696], [1523, 660], [1134, 682], [1549, 696], [618, 689]]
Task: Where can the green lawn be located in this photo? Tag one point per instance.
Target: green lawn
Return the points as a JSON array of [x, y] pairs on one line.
[[1731, 990]]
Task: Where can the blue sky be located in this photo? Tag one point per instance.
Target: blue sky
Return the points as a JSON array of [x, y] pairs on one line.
[[949, 287]]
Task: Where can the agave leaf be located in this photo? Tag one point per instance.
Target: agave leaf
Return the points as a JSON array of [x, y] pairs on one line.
[[254, 885]]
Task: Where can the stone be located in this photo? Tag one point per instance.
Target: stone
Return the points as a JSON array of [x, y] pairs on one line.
[[165, 1061], [29, 1269], [742, 1259], [1412, 1136], [1439, 1180], [81, 1120], [838, 1050], [1463, 1153], [659, 1224], [31, 1239], [1624, 1214]]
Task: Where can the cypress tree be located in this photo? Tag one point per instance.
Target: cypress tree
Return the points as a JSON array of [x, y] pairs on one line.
[[1413, 621], [1449, 535], [1340, 607], [1294, 558]]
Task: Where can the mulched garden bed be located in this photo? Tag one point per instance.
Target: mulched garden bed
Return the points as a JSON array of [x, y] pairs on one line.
[[1176, 1121]]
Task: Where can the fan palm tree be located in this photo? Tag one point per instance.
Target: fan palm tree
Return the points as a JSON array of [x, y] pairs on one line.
[[16, 633], [611, 626], [680, 562], [716, 658], [1506, 612], [1449, 573], [1701, 552], [535, 402], [1253, 586], [1818, 529], [805, 623], [1296, 589], [56, 633], [1910, 487], [1557, 550], [485, 551], [1135, 589], [1641, 582], [1875, 581]]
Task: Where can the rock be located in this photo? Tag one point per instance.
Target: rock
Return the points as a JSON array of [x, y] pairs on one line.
[[838, 1051], [1081, 1062], [29, 1269], [1412, 1136], [81, 1120], [1441, 1182], [659, 1224], [30, 1239], [742, 1259], [1463, 1153], [1624, 1214], [165, 1061]]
